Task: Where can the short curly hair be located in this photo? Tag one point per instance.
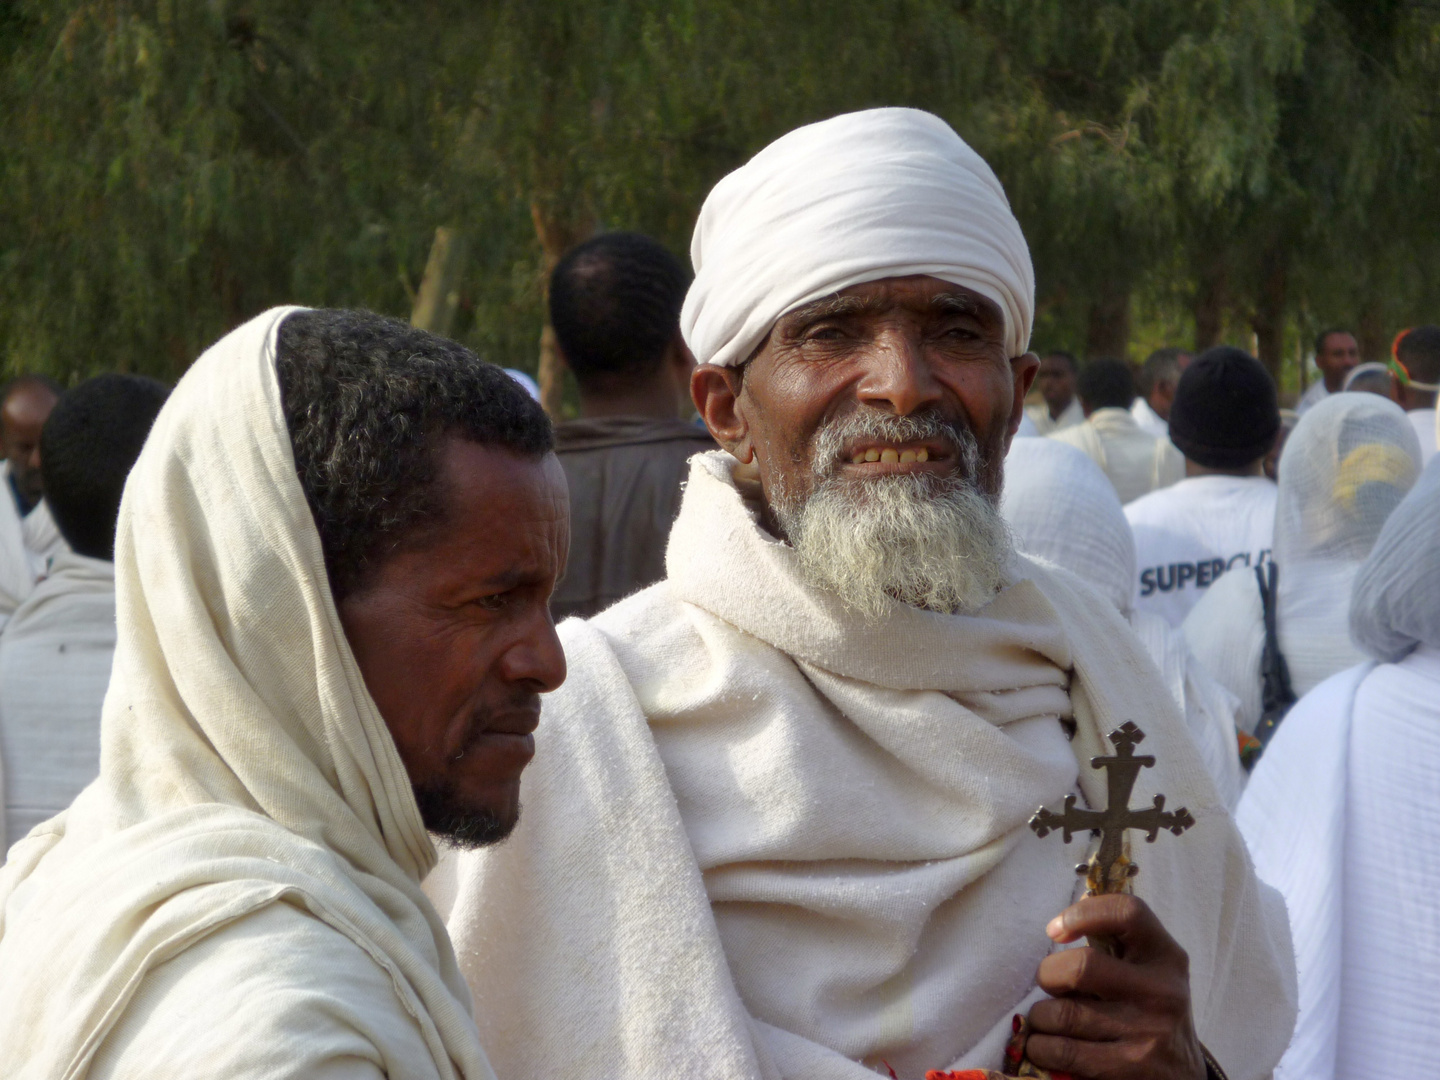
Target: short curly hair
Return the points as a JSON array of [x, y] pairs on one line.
[[368, 402]]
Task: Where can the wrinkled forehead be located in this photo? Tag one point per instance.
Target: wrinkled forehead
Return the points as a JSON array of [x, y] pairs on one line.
[[918, 294]]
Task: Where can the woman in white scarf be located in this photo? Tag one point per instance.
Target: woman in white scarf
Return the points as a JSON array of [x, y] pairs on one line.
[[1061, 507], [1349, 462], [1342, 816], [246, 767]]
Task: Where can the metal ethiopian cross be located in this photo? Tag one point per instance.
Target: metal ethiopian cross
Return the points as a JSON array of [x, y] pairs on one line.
[[1110, 869]]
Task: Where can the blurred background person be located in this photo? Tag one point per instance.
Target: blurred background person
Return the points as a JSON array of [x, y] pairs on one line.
[[1417, 352], [1342, 816], [1336, 353], [1136, 463], [1060, 408], [56, 651], [1159, 376], [1350, 461], [25, 405], [1060, 506], [1222, 515], [615, 305]]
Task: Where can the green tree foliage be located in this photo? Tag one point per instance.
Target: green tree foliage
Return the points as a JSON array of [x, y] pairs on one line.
[[1188, 171]]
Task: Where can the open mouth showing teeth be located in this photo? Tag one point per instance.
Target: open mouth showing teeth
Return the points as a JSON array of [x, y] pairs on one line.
[[890, 455]]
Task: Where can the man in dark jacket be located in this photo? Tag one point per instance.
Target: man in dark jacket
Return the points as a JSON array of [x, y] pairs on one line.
[[615, 305]]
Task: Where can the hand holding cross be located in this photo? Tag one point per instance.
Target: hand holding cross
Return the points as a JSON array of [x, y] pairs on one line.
[[1125, 1012]]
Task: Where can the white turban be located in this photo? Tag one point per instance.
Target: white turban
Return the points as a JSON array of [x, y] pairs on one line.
[[868, 195]]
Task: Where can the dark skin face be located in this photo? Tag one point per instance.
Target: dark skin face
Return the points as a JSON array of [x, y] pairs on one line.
[[1338, 355], [1056, 382], [899, 346], [21, 417], [453, 634], [915, 344]]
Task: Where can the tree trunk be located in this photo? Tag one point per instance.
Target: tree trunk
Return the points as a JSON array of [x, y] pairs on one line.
[[1374, 342], [1268, 319], [1108, 333], [439, 293], [556, 236], [1211, 297]]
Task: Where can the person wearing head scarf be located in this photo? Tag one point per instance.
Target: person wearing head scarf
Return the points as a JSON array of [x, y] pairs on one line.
[[1062, 508], [776, 825], [1350, 461], [1342, 815], [332, 567]]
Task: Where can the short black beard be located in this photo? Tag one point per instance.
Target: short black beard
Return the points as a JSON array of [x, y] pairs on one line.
[[457, 825]]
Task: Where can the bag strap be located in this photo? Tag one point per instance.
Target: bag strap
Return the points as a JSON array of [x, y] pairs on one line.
[[1277, 694]]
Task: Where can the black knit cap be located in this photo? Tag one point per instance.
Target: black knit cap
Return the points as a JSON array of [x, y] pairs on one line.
[[1225, 413]]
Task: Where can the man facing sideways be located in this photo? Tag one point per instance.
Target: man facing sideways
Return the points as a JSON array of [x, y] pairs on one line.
[[1222, 515], [615, 305], [777, 821], [1418, 353], [1135, 462], [56, 651], [333, 569], [1336, 354], [1060, 408], [1159, 376]]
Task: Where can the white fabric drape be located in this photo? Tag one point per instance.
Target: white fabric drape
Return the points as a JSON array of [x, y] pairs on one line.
[[1342, 816], [245, 771], [1349, 462], [1135, 462], [881, 193], [1061, 508], [42, 536], [763, 838], [55, 657]]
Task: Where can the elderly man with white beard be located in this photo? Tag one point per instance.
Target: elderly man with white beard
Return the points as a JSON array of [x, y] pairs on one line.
[[776, 822]]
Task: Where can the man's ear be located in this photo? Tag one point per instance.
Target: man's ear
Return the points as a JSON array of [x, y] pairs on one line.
[[1024, 369], [716, 393]]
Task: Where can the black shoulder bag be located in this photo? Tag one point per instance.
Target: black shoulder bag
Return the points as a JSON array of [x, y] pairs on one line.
[[1276, 693]]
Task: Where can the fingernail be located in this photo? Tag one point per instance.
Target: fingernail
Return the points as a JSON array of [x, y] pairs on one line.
[[1055, 928]]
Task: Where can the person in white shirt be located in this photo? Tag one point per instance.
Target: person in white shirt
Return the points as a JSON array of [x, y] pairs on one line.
[[1336, 353], [1222, 515], [1417, 351], [1135, 462], [1159, 376], [56, 651], [1342, 815], [1056, 383]]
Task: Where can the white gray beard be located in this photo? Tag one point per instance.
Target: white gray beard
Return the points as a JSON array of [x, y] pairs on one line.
[[937, 543]]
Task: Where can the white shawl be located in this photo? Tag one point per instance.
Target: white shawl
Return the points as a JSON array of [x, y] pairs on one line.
[[762, 839], [244, 766]]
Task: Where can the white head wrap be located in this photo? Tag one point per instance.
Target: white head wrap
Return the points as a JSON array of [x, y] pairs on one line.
[[1060, 506], [860, 197], [1395, 605]]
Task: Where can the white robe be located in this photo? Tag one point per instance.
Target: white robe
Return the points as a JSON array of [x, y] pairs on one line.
[[55, 657], [1342, 816], [1135, 462], [237, 895], [764, 839], [1069, 417], [1151, 422]]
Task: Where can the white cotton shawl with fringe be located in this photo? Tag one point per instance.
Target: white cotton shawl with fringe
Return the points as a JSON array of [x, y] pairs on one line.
[[244, 770], [761, 838]]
